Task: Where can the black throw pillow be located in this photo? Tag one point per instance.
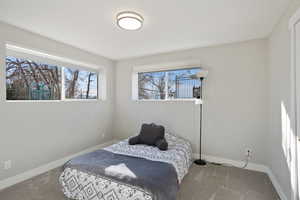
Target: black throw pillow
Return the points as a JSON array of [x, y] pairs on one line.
[[134, 140], [162, 144], [151, 133]]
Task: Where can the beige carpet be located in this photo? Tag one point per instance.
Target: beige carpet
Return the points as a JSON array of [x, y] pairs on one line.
[[202, 183]]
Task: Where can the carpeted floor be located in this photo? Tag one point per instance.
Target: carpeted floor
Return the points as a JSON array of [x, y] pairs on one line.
[[202, 183]]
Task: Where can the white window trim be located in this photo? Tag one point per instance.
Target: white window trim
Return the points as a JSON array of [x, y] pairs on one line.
[[167, 66], [162, 67], [38, 56]]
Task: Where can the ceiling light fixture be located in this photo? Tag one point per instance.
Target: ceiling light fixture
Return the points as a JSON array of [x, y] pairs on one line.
[[129, 20]]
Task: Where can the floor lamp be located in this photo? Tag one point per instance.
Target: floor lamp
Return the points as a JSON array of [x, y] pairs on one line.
[[201, 75]]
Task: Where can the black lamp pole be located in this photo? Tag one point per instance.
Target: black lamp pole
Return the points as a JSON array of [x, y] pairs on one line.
[[200, 161]]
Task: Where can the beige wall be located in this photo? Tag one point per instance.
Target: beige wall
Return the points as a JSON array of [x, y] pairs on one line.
[[235, 108], [33, 134], [280, 101]]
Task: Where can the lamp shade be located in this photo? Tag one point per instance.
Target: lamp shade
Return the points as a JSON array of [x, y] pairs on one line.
[[202, 74]]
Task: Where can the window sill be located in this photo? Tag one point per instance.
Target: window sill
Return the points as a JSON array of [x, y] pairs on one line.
[[197, 101], [81, 100], [53, 101]]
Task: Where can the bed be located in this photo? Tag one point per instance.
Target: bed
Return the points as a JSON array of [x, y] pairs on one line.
[[128, 172]]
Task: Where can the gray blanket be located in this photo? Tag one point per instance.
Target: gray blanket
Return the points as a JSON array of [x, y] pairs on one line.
[[158, 178]]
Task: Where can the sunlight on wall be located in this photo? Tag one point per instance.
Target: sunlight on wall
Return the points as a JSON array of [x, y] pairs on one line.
[[289, 144], [286, 133]]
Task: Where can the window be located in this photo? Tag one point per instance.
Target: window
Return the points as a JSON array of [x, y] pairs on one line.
[[170, 84], [29, 80], [152, 85], [80, 84], [32, 77]]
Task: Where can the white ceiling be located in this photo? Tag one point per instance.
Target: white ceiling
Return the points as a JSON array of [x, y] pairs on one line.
[[169, 24]]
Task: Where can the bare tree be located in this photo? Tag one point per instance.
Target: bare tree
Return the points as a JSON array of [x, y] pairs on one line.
[[72, 83], [88, 85], [149, 83], [154, 83], [21, 73]]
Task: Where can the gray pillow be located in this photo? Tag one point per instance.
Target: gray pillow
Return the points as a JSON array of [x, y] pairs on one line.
[[134, 140], [151, 133], [162, 144]]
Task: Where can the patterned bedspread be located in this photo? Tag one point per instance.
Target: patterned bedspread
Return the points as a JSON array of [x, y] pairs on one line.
[[81, 181], [179, 153], [80, 185]]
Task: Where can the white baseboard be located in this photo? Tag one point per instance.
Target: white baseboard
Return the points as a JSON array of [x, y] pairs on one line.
[[44, 168], [235, 163], [251, 166], [276, 185]]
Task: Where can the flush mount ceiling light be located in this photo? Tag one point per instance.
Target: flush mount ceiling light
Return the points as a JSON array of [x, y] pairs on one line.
[[130, 20]]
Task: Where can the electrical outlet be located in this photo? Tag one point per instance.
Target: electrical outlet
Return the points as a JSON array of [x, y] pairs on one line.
[[248, 152], [7, 164], [103, 135]]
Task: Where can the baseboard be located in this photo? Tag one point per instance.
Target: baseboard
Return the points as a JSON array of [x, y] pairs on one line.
[[251, 166], [276, 185], [44, 168]]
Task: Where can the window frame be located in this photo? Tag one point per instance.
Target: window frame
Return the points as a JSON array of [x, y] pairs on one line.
[[160, 68], [62, 63]]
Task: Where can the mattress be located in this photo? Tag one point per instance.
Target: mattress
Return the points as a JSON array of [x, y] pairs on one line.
[[128, 172]]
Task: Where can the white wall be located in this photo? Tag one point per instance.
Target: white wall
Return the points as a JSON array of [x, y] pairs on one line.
[[33, 134], [243, 108], [280, 101], [236, 108]]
